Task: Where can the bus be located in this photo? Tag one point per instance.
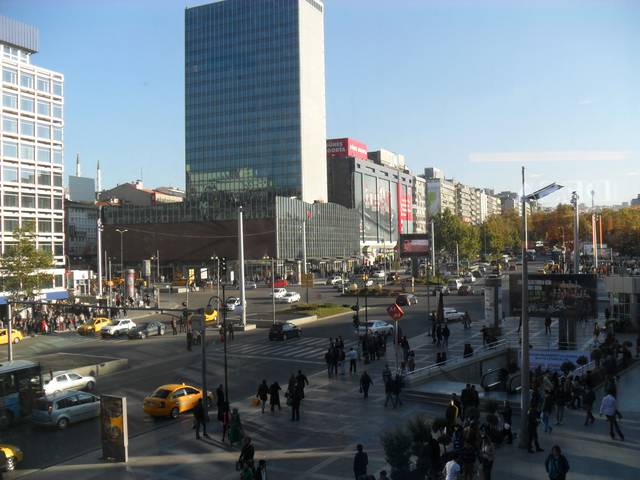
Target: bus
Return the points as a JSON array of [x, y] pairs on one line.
[[20, 385]]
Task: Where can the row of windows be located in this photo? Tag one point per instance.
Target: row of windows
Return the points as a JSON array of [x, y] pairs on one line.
[[243, 55], [29, 80], [11, 224], [27, 104], [14, 53], [42, 130], [28, 151], [28, 176], [13, 199]]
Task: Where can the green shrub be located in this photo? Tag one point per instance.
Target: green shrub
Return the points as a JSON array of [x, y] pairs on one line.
[[397, 452]]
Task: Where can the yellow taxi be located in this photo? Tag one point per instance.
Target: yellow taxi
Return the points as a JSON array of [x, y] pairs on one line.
[[211, 315], [173, 399], [16, 336], [94, 327], [13, 454]]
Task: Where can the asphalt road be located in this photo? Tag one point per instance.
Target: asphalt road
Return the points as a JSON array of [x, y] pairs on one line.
[[159, 360]]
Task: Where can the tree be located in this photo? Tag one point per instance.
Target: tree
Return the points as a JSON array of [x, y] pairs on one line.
[[450, 229], [397, 450], [22, 266]]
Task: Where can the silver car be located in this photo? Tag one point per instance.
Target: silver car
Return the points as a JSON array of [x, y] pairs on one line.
[[62, 409]]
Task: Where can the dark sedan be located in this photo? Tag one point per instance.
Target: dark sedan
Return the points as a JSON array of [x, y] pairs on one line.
[[145, 330], [284, 331]]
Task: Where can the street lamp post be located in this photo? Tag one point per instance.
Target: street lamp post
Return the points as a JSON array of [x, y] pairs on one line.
[[524, 379], [576, 233], [209, 311], [122, 232]]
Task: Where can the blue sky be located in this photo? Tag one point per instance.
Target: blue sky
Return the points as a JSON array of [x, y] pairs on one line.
[[477, 88]]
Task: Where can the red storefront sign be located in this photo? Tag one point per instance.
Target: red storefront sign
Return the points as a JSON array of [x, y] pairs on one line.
[[346, 147]]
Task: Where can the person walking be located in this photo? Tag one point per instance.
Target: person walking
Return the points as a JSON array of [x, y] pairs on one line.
[[452, 469], [556, 464], [247, 453], [547, 411], [445, 335], [352, 356], [225, 419], [220, 400], [274, 396], [532, 420], [487, 455], [397, 389], [360, 462], [507, 425], [588, 399], [235, 426], [302, 381], [547, 325], [296, 398], [200, 419], [561, 400], [609, 408], [365, 384], [174, 327], [468, 457], [261, 471], [263, 394]]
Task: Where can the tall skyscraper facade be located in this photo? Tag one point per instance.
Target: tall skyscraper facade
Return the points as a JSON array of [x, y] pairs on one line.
[[255, 122], [31, 142]]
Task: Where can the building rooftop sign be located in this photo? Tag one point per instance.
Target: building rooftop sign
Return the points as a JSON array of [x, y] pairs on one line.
[[18, 34], [346, 147]]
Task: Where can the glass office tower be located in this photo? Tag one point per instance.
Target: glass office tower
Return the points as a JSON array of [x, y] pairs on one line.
[[255, 104]]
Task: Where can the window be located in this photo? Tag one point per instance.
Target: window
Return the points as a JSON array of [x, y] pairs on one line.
[[57, 88], [44, 131], [44, 226], [27, 175], [44, 155], [11, 199], [179, 393], [9, 75], [57, 134], [10, 149], [57, 203], [29, 224], [75, 376], [44, 108], [28, 200], [43, 84], [44, 178], [67, 403], [9, 125], [27, 127], [26, 80], [44, 202], [57, 110], [57, 180], [57, 156], [57, 279], [10, 224], [10, 100], [27, 152], [27, 104], [44, 247], [9, 174], [57, 226]]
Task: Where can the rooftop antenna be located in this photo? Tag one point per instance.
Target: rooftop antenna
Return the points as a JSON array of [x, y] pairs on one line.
[[77, 164]]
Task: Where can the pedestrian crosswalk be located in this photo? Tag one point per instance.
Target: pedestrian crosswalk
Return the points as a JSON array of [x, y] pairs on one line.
[[309, 348]]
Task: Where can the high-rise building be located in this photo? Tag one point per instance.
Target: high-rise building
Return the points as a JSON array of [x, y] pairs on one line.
[[419, 204], [255, 103], [32, 142]]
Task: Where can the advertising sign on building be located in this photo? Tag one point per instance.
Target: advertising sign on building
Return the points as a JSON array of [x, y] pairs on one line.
[[414, 245], [552, 359], [346, 147], [113, 428], [405, 208]]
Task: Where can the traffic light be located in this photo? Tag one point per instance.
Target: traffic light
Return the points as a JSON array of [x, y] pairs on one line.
[[223, 266]]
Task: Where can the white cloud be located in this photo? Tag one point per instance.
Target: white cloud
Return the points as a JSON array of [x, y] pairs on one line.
[[551, 156]]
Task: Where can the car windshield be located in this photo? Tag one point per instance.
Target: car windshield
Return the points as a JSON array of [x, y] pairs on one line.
[[231, 299], [161, 393]]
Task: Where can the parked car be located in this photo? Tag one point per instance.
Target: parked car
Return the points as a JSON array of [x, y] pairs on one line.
[[406, 299], [373, 327], [279, 292], [454, 284], [335, 280], [452, 314], [284, 331], [145, 330], [250, 285], [378, 274], [119, 327], [469, 278], [94, 326], [60, 410], [16, 336], [13, 454], [232, 303], [280, 283], [173, 399], [465, 290], [68, 380], [290, 297]]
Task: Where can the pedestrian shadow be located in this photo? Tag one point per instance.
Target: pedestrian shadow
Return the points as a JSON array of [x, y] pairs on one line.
[[217, 443]]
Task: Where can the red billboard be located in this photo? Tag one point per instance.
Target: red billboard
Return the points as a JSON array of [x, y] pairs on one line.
[[405, 207], [346, 147]]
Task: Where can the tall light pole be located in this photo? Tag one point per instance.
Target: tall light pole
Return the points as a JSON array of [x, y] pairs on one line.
[[524, 373], [433, 250], [99, 246], [122, 232], [576, 233]]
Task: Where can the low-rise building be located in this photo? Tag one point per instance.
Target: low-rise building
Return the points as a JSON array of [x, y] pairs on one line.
[[135, 193]]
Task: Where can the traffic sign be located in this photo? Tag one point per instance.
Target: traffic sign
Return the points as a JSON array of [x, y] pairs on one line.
[[307, 280], [395, 312]]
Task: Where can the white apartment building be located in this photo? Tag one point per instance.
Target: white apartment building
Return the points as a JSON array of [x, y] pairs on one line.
[[31, 144], [419, 205]]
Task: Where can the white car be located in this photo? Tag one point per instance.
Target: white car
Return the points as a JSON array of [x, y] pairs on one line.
[[378, 274], [290, 297], [373, 327], [232, 303], [453, 314], [118, 327], [250, 285], [336, 280], [279, 292], [62, 381]]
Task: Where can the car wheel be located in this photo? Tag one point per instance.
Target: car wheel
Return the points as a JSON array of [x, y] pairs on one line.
[[174, 412], [16, 340], [6, 419], [90, 386], [11, 464], [63, 423]]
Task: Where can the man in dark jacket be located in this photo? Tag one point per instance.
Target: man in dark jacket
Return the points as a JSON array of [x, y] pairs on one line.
[[220, 401], [465, 397], [360, 462], [274, 396], [263, 394], [200, 420], [532, 418], [556, 464], [365, 384], [588, 400], [296, 399]]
